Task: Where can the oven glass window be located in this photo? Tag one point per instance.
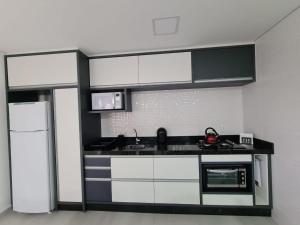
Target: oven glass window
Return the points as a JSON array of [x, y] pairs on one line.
[[222, 178]]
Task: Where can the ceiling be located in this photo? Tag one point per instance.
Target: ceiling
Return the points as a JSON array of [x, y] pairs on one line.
[[111, 26]]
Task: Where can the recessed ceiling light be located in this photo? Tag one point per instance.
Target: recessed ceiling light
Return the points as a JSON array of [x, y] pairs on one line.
[[165, 26]]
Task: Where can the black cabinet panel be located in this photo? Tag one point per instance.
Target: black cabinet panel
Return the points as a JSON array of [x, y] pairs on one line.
[[94, 173], [224, 63], [97, 162], [98, 191]]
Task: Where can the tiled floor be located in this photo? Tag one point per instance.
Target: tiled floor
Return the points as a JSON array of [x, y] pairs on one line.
[[118, 218]]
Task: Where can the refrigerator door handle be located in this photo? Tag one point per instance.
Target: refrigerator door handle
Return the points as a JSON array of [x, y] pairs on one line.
[[18, 131], [23, 103]]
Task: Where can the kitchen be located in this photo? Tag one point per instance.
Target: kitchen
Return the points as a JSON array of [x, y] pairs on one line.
[[164, 131]]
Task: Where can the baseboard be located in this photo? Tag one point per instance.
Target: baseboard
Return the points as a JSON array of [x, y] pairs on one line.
[[70, 206], [171, 209]]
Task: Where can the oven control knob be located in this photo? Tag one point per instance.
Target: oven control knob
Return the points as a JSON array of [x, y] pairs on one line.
[[243, 182]]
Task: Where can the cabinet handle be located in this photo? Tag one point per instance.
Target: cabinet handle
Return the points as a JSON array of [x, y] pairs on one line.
[[132, 179], [177, 180], [97, 179], [97, 168], [96, 156], [223, 80], [35, 131]]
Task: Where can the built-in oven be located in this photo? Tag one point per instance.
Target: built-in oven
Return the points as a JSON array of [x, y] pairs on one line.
[[227, 177]]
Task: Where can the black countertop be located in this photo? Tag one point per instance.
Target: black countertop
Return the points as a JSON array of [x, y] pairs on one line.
[[187, 145]]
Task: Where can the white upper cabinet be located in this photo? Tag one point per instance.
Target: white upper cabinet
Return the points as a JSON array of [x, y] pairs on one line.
[[42, 70], [165, 68], [114, 71]]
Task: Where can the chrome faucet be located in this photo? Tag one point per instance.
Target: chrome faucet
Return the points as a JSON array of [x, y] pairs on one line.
[[137, 140]]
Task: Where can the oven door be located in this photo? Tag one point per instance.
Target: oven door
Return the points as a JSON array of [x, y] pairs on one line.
[[227, 178]]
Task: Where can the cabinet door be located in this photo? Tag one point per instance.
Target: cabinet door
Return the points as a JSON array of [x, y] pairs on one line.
[[133, 191], [42, 70], [68, 147], [226, 158], [132, 167], [173, 192], [227, 199], [97, 190], [114, 71], [176, 167], [224, 64], [165, 68]]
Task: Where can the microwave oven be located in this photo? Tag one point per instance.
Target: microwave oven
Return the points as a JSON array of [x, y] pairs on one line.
[[229, 177], [107, 101]]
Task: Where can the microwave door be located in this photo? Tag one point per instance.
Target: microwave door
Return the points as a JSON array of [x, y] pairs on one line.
[[103, 101]]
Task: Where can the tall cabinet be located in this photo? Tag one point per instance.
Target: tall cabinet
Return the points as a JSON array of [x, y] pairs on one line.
[[63, 79], [68, 142]]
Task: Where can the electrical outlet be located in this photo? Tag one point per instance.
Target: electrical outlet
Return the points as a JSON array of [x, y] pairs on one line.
[[246, 138]]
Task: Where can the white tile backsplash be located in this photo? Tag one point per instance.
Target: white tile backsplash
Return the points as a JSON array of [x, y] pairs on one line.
[[181, 112]]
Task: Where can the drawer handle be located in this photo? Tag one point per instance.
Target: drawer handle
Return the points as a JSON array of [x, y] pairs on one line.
[[97, 167], [97, 156], [132, 179], [97, 179], [177, 180]]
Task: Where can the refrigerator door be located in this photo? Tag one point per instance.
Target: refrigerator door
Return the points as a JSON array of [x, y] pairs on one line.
[[30, 172], [28, 116]]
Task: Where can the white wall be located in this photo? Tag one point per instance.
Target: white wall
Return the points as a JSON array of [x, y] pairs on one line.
[[181, 112], [4, 161], [272, 111]]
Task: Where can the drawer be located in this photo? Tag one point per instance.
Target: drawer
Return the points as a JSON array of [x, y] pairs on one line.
[[97, 173], [96, 161], [98, 191], [132, 167], [227, 199], [226, 158], [176, 168], [133, 191], [177, 192]]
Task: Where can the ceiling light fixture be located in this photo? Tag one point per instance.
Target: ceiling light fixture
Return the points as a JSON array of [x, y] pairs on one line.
[[166, 25]]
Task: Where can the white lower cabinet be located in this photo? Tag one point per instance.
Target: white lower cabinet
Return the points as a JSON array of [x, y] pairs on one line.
[[177, 192], [133, 167], [176, 179], [132, 179], [176, 167], [227, 199], [133, 191]]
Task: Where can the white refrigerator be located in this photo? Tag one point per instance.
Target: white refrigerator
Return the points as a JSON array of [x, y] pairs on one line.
[[31, 157]]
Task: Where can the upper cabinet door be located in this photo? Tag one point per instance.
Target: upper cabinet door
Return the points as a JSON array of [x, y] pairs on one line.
[[42, 70], [114, 71], [165, 68], [224, 64]]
